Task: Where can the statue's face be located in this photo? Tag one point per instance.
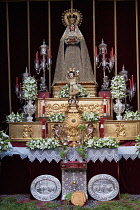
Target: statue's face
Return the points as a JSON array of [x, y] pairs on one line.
[[71, 75], [72, 27]]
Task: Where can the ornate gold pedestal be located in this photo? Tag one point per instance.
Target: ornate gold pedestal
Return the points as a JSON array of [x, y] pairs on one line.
[[24, 131], [89, 86], [57, 105]]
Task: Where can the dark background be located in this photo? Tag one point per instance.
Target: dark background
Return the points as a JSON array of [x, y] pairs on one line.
[[104, 24]]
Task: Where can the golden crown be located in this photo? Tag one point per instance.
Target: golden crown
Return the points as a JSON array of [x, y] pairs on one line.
[[72, 16]]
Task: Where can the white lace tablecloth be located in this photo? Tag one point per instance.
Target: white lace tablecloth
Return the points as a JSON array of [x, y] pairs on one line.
[[72, 155]]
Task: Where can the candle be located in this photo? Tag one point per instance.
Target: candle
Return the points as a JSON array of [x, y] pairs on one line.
[[104, 104], [49, 53], [36, 56], [16, 80], [132, 80], [130, 84], [43, 106], [43, 128], [112, 51], [102, 127], [104, 96], [44, 97], [104, 56], [20, 87]]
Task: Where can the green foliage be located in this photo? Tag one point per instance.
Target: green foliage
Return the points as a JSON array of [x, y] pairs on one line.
[[125, 196], [50, 205], [11, 203], [82, 150], [126, 202], [63, 151], [114, 205], [82, 127], [68, 196]]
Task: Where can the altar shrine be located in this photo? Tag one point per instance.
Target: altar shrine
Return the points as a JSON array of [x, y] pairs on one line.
[[72, 138]]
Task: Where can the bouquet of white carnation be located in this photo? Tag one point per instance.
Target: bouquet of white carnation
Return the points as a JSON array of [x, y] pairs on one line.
[[29, 88], [131, 115], [48, 143], [56, 117], [118, 87], [90, 117], [4, 142], [14, 117], [105, 142]]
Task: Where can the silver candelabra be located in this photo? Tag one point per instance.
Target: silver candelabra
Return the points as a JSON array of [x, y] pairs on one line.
[[131, 87], [107, 64], [43, 64]]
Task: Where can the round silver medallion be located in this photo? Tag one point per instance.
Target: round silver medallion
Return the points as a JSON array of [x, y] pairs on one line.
[[103, 187], [45, 188]]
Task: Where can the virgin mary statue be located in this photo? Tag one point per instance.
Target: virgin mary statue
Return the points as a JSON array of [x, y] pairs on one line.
[[73, 53]]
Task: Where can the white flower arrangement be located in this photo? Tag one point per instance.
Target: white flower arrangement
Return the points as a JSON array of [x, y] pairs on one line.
[[138, 143], [90, 117], [4, 142], [131, 115], [64, 92], [48, 143], [56, 117], [105, 142], [14, 117], [118, 87], [29, 88]]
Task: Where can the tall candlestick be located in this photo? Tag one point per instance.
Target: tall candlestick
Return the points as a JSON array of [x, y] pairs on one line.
[[102, 127], [112, 51], [16, 80], [20, 87], [36, 56], [132, 80], [49, 55], [43, 128], [104, 56], [130, 84], [43, 106], [104, 104]]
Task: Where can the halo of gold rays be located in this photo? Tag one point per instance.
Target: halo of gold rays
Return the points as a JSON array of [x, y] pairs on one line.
[[72, 16]]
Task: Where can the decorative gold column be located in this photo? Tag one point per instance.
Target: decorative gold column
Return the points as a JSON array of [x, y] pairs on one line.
[[8, 55], [137, 56], [115, 35]]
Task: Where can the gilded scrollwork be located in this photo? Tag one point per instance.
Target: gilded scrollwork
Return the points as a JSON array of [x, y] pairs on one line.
[[27, 131], [98, 108], [56, 108], [120, 130], [61, 107]]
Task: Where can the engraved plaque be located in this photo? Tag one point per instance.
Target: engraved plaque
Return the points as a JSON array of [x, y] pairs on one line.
[[103, 187], [45, 188]]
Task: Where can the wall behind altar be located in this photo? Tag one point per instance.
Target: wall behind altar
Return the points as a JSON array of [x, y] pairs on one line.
[[14, 65]]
